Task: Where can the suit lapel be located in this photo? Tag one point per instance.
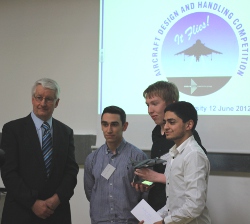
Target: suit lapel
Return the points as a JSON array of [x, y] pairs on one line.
[[56, 142], [34, 142], [31, 132]]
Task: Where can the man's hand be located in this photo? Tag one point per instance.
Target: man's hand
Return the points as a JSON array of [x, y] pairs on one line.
[[44, 209], [140, 187], [150, 175], [41, 210], [53, 202]]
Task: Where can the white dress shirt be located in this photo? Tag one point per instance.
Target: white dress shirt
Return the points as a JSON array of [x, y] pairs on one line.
[[186, 172]]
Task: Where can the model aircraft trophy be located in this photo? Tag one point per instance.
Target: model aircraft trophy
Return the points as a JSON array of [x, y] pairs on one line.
[[147, 163]]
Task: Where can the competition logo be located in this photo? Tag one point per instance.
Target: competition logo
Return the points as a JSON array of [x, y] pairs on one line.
[[200, 47]]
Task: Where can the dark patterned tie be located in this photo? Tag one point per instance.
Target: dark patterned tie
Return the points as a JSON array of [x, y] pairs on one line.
[[47, 146]]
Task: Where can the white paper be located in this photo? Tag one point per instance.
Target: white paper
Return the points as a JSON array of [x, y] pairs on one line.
[[107, 172], [143, 211]]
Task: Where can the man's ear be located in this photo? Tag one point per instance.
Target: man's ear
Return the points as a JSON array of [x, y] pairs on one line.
[[57, 102], [125, 126], [189, 125]]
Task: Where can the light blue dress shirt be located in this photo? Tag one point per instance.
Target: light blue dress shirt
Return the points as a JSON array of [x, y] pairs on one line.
[[112, 199], [38, 123]]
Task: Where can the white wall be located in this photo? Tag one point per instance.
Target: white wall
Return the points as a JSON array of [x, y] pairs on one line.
[[228, 198], [59, 39], [56, 39]]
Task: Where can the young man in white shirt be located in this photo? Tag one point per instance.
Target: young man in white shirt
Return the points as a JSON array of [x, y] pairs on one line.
[[187, 169]]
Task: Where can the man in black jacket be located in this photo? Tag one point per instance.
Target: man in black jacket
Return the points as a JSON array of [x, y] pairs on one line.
[[40, 170]]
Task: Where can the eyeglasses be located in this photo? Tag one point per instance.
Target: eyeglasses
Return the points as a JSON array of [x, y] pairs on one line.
[[48, 100]]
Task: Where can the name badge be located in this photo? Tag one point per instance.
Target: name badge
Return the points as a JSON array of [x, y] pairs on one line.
[[107, 172]]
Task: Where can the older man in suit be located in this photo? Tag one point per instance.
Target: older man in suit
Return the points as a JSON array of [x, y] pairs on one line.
[[40, 169]]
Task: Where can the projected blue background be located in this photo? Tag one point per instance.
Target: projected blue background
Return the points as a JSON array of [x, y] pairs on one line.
[[216, 34]]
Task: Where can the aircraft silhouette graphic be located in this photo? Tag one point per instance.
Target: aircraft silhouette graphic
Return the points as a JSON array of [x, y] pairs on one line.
[[197, 50]]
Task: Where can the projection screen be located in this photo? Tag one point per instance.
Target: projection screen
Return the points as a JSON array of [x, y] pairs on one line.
[[201, 46]]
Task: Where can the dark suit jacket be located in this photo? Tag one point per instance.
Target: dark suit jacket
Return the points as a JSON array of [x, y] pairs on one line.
[[24, 174]]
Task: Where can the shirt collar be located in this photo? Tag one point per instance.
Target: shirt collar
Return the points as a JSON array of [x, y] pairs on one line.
[[119, 148], [177, 150], [38, 122]]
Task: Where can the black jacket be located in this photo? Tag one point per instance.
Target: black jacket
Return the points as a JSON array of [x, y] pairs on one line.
[[24, 173]]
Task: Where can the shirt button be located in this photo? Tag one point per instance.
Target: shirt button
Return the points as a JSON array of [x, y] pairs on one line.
[[111, 208], [110, 184], [110, 196]]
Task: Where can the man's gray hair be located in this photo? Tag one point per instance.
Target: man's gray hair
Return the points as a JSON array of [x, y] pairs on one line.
[[48, 84]]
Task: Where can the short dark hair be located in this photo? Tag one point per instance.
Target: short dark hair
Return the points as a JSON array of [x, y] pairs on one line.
[[115, 110], [184, 110]]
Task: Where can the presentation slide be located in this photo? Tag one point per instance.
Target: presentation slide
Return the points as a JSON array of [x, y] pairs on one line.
[[201, 46]]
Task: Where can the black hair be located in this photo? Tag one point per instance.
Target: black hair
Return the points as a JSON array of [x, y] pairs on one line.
[[183, 110], [115, 110]]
